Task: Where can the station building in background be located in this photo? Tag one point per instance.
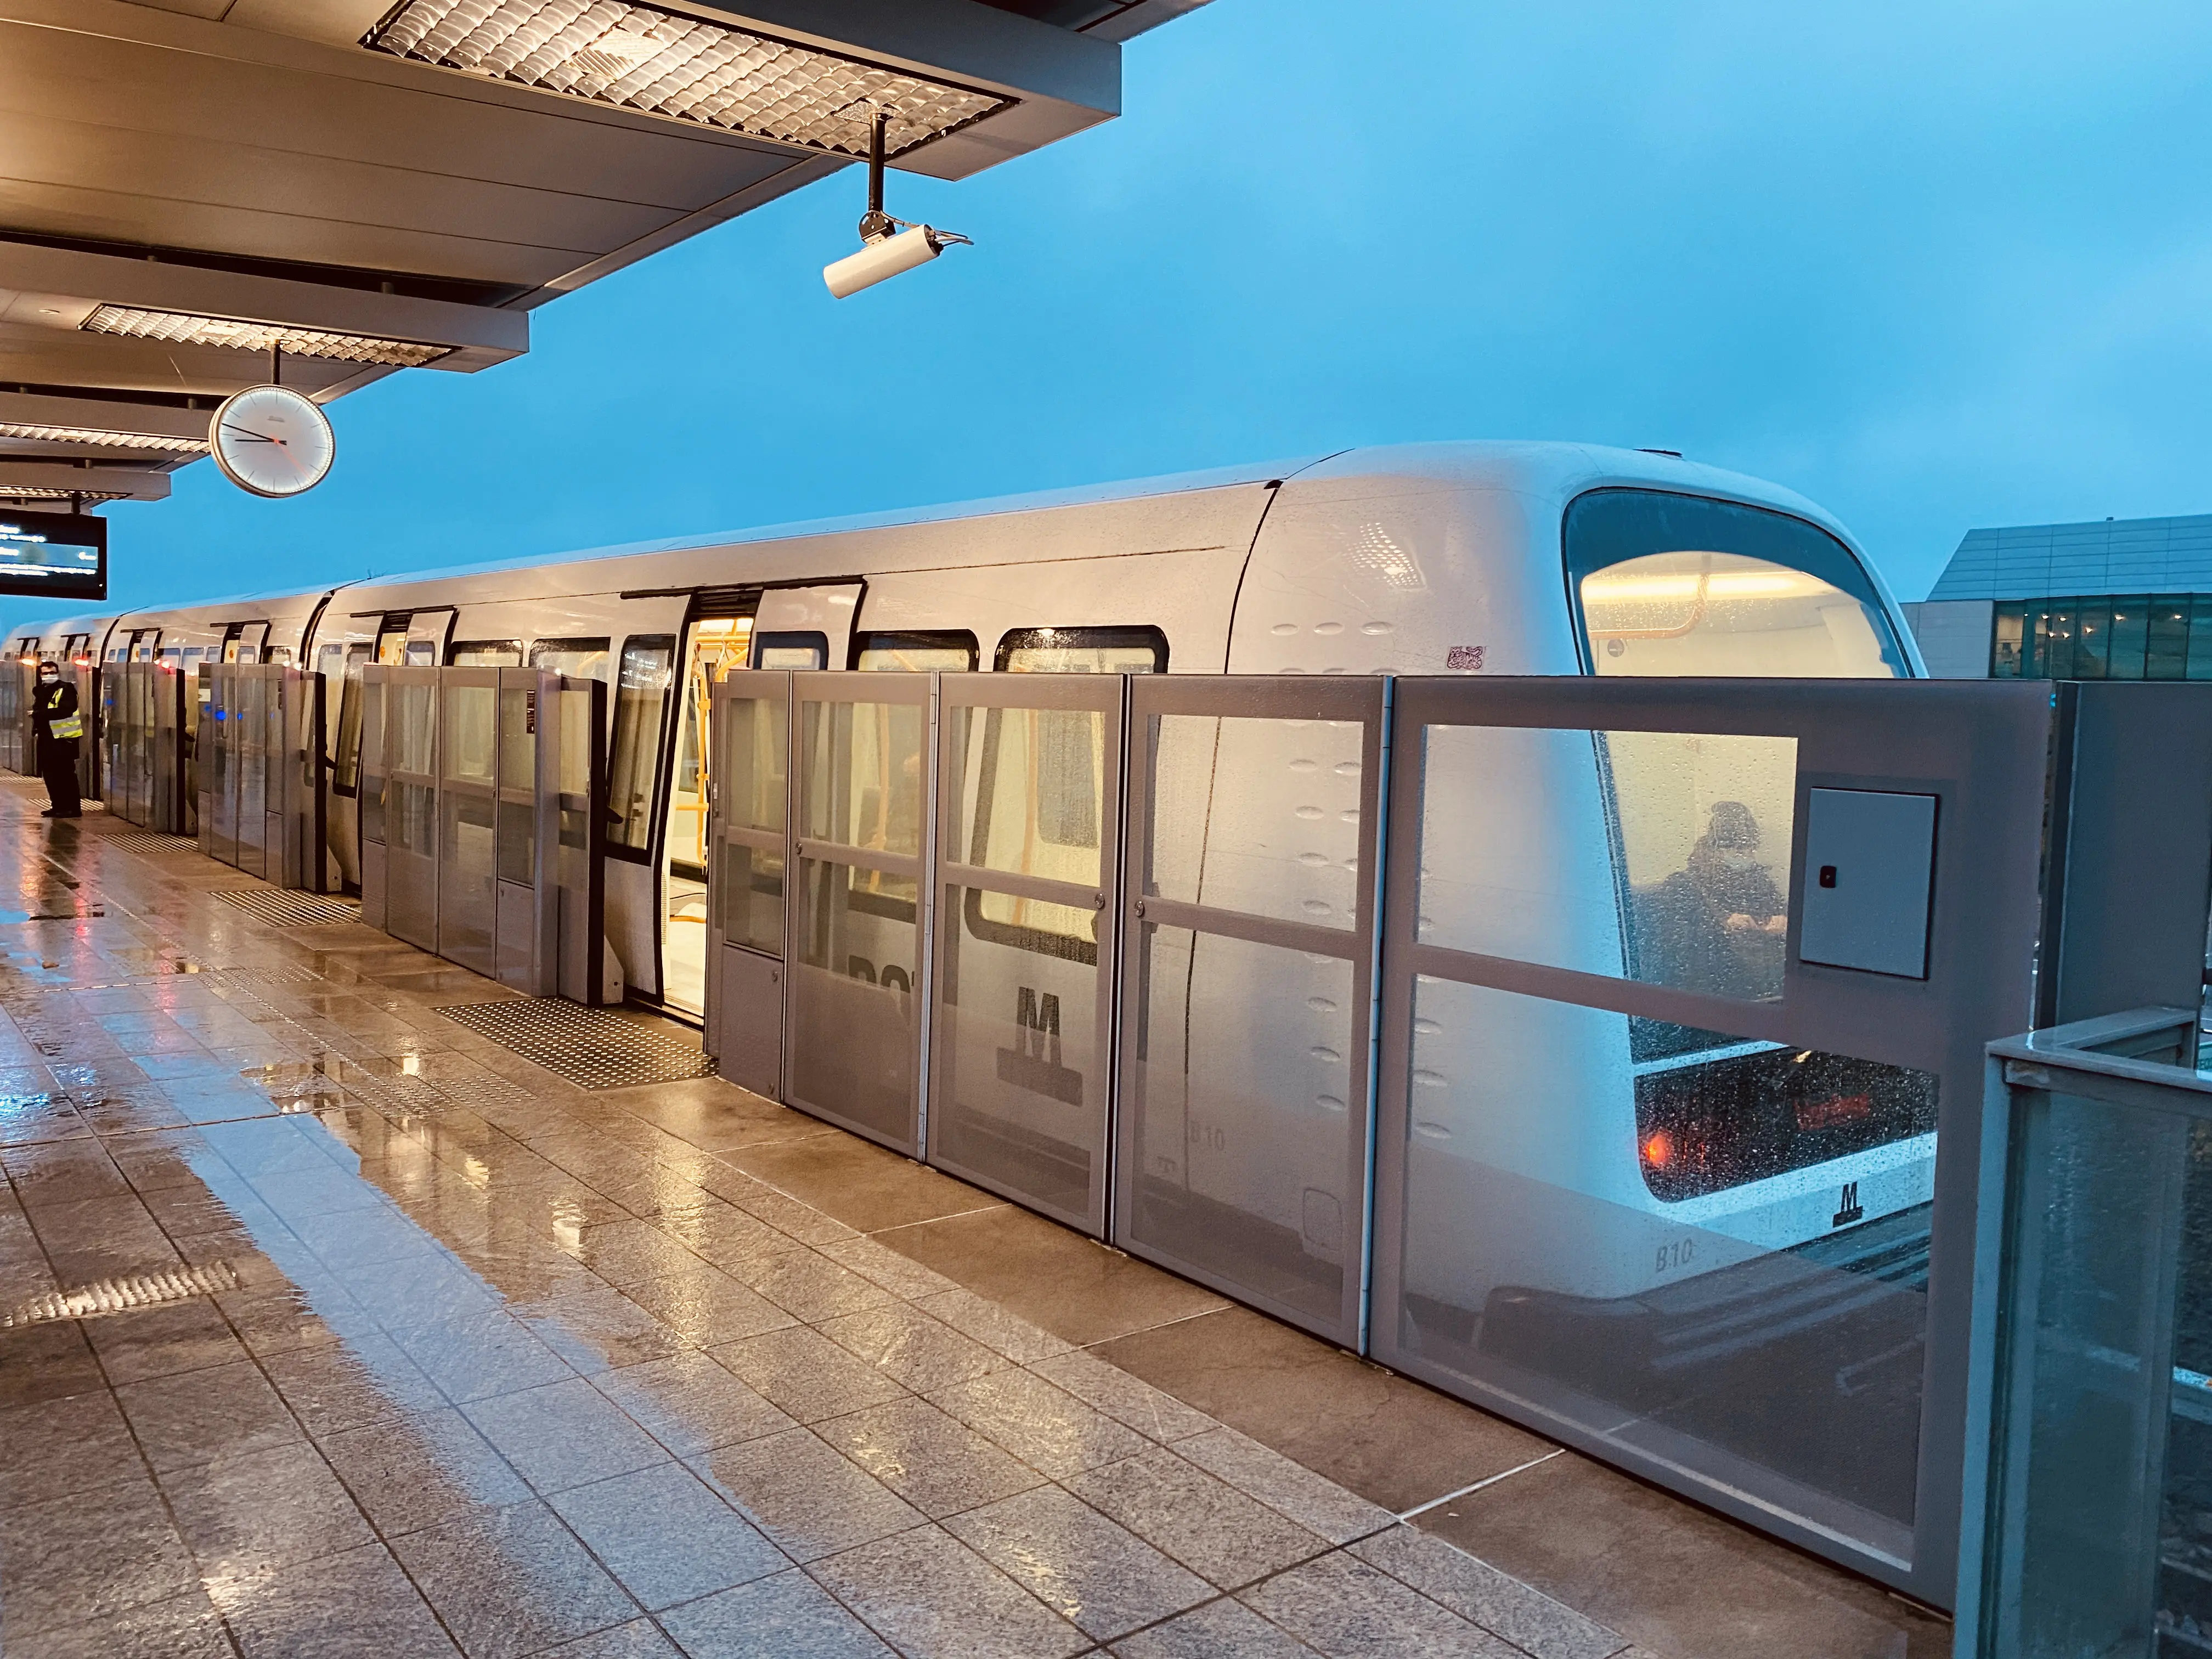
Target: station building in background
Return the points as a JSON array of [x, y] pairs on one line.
[[2115, 599]]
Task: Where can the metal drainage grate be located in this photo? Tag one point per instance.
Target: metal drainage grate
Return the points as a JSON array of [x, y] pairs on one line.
[[592, 1047], [288, 908], [150, 843], [116, 1296]]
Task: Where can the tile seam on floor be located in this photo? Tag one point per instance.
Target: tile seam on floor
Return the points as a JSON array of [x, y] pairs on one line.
[[1475, 1486]]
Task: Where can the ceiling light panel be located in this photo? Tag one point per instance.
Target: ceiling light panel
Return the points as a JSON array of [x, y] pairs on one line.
[[184, 329], [642, 58], [42, 493], [86, 435]]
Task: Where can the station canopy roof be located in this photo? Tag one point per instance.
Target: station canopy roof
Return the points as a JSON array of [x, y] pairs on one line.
[[189, 186]]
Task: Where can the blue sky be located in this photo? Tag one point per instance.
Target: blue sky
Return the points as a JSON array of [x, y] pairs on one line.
[[1935, 266]]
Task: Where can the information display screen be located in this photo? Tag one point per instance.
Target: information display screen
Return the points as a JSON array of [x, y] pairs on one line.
[[60, 554]]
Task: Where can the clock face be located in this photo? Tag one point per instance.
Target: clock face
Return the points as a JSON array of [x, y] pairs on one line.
[[272, 441]]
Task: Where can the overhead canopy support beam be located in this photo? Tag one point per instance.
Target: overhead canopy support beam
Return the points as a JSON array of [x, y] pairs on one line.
[[54, 478]]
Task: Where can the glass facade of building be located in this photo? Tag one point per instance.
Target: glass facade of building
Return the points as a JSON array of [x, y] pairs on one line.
[[2141, 637]]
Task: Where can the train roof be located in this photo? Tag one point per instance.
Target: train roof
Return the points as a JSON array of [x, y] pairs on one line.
[[1547, 467]]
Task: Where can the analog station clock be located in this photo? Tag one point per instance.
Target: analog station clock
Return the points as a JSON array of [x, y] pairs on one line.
[[272, 441]]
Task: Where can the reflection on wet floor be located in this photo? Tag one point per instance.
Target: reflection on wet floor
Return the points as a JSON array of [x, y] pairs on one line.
[[329, 1326]]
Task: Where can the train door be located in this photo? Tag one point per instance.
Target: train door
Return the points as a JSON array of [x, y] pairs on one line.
[[341, 662], [806, 626], [712, 644], [246, 642]]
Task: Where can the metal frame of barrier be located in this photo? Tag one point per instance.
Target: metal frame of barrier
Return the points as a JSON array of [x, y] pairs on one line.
[[1724, 1327], [259, 768], [1026, 945], [2092, 1420], [143, 733], [588, 971], [17, 746], [1245, 1112], [856, 997], [477, 844], [749, 832], [87, 677], [1816, 1395]]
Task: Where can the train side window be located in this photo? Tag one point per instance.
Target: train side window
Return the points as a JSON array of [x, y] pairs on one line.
[[485, 653], [330, 658], [808, 649], [1669, 585], [583, 660], [944, 651], [281, 654], [1083, 651], [346, 775], [648, 669]]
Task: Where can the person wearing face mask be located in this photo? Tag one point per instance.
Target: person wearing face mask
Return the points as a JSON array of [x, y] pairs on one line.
[[60, 725], [1717, 925]]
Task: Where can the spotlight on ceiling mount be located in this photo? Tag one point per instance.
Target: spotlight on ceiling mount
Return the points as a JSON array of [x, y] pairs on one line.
[[889, 245]]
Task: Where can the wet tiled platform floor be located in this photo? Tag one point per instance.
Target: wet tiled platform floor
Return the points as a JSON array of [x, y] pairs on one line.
[[393, 1344]]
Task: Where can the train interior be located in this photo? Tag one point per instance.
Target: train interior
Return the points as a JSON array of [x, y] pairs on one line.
[[711, 646]]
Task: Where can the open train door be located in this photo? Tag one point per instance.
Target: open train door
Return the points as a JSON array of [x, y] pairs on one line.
[[805, 627], [748, 834]]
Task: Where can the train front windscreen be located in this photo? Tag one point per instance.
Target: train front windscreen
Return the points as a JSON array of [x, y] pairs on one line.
[[53, 555], [1673, 585]]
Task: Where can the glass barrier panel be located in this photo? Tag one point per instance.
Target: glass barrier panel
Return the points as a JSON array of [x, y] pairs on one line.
[[518, 780], [1244, 1070], [467, 900], [1719, 1260], [577, 735], [410, 818], [753, 784], [749, 891], [863, 776], [855, 1008], [410, 739], [470, 734], [1258, 816], [1657, 856], [1022, 1067], [2102, 1553], [517, 739], [369, 699], [1030, 790]]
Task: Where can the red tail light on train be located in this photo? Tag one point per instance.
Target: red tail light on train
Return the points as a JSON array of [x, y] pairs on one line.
[[1710, 1125]]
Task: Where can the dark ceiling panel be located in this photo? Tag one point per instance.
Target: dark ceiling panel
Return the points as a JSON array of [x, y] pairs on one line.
[[445, 126], [107, 216]]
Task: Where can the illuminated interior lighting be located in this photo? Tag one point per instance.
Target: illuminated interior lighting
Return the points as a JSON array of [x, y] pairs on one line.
[[643, 59], [182, 328], [1725, 584], [100, 435]]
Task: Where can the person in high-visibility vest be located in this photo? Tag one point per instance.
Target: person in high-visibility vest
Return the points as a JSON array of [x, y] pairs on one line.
[[54, 713]]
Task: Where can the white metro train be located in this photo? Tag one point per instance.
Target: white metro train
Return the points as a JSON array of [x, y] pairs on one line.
[[1493, 558]]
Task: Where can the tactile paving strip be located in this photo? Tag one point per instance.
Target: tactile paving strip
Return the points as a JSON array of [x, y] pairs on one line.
[[592, 1047], [151, 843], [290, 908]]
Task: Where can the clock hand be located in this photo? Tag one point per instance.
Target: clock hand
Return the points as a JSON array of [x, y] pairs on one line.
[[256, 437]]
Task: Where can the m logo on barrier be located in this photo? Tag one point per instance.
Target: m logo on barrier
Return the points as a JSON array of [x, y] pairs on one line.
[[1035, 1065]]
